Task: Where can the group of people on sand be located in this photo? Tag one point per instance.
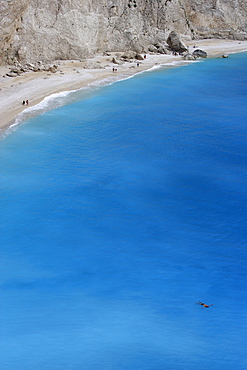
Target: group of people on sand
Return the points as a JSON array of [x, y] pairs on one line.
[[25, 102]]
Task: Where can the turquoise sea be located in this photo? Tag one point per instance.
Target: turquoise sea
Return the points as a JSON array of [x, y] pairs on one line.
[[119, 211]]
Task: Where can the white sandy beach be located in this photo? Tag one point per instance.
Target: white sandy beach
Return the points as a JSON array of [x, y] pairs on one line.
[[35, 86]]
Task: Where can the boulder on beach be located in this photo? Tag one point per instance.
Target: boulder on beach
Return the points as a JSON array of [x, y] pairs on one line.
[[11, 74], [175, 43], [199, 53], [128, 55], [188, 56], [115, 61], [53, 69], [161, 48], [139, 57]]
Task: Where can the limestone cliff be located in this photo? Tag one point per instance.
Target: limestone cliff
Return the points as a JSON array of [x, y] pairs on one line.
[[32, 30]]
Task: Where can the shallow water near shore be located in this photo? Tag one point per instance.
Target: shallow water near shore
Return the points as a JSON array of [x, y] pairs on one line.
[[118, 213]]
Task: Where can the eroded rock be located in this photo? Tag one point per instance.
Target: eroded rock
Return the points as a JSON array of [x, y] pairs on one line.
[[199, 53], [175, 43], [152, 49], [188, 56], [139, 57]]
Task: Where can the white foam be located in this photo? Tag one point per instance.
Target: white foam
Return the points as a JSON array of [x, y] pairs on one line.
[[49, 102]]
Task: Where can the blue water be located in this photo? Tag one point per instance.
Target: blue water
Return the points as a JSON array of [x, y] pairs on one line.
[[119, 212]]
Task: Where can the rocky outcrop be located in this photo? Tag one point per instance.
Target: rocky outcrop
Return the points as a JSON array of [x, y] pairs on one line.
[[45, 30], [175, 43], [189, 56], [199, 53], [19, 68], [196, 54]]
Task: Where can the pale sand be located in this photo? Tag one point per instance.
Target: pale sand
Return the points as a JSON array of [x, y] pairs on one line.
[[35, 86]]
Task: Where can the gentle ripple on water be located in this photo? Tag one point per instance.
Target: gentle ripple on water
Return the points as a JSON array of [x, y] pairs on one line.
[[118, 212]]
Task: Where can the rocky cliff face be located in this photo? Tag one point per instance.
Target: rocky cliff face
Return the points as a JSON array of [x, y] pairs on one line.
[[32, 30]]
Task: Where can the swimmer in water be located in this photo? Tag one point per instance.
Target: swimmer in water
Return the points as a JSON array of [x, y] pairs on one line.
[[204, 304]]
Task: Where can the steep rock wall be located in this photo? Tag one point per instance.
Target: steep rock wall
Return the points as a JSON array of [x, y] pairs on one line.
[[32, 30]]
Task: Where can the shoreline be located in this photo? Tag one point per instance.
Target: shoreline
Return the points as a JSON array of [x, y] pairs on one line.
[[36, 86]]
